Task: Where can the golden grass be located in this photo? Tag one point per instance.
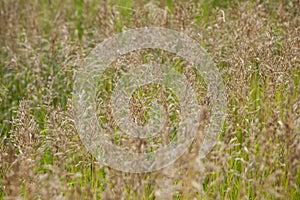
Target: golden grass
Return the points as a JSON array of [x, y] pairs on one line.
[[254, 45]]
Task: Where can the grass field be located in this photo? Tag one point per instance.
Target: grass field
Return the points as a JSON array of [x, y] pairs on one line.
[[255, 45]]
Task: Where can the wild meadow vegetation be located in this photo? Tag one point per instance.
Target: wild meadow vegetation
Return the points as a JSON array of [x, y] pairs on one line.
[[254, 44]]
